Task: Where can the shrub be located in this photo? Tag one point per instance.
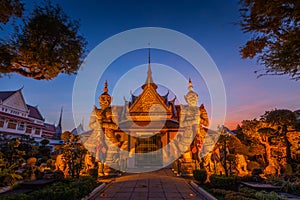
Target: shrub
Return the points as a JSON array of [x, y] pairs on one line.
[[288, 183], [200, 175], [247, 178], [248, 192], [288, 186], [236, 196], [85, 185], [55, 192], [65, 189], [224, 182], [13, 196], [268, 196], [232, 195]]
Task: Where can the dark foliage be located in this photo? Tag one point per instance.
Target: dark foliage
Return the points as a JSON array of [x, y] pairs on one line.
[[275, 35]]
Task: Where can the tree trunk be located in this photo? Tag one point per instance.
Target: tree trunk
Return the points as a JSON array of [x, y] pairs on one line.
[[288, 148], [268, 150], [263, 158], [225, 158]]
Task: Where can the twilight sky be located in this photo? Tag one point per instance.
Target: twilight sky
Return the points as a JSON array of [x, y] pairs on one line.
[[210, 23]]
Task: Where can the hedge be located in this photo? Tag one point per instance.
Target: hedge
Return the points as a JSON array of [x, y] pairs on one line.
[[224, 182]]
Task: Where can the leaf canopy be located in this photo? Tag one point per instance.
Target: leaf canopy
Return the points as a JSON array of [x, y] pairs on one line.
[[48, 43], [274, 26]]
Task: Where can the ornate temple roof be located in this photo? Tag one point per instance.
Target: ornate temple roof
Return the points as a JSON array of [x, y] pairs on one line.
[[33, 110], [150, 102]]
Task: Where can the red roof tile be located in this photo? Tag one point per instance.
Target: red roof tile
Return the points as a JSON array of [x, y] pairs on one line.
[[5, 94], [49, 127], [34, 112]]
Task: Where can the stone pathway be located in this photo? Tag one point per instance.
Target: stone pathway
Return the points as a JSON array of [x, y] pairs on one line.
[[158, 185]]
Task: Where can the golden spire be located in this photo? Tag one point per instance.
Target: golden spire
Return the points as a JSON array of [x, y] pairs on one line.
[[105, 89], [149, 73], [149, 80]]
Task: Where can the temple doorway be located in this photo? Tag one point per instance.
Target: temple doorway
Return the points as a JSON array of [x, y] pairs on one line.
[[149, 151]]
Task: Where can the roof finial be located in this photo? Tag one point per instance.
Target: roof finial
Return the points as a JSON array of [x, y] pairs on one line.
[[105, 89], [149, 73], [190, 88], [149, 80]]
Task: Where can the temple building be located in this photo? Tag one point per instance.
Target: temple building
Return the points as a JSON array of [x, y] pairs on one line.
[[148, 123], [17, 118], [149, 131]]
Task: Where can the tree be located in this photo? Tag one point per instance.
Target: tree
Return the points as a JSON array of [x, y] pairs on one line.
[[44, 151], [222, 143], [282, 119], [28, 146], [10, 8], [265, 134], [44, 142], [259, 132], [73, 153], [275, 40], [48, 43], [271, 131]]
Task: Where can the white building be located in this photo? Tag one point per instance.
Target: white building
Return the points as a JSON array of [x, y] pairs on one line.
[[18, 118]]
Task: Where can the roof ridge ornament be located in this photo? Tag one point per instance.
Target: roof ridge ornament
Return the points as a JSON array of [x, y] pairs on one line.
[[105, 89], [149, 80], [149, 72]]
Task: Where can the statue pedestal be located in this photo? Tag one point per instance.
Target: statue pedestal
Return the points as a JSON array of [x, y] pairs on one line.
[[187, 168], [187, 165], [111, 165], [112, 160]]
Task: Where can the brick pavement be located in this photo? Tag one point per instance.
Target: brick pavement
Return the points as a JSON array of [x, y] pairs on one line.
[[158, 185]]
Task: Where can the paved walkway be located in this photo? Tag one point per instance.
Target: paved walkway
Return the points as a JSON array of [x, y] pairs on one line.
[[162, 184]]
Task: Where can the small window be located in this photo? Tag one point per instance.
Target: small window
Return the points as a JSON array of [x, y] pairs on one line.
[[12, 124], [28, 129], [2, 122], [21, 126], [37, 131]]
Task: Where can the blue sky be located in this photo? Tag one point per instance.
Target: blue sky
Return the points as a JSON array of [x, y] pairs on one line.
[[210, 23]]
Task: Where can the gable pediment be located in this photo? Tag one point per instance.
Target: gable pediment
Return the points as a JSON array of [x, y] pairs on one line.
[[16, 101], [149, 101]]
